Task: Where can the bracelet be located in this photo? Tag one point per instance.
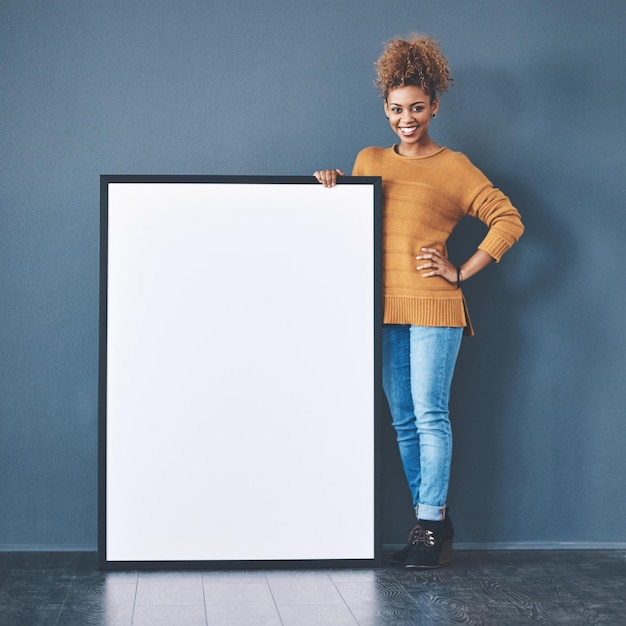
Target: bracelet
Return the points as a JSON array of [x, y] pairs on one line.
[[458, 277]]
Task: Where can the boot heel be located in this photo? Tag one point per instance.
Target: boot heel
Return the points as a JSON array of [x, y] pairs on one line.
[[446, 552]]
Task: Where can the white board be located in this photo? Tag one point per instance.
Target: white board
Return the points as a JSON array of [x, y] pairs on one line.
[[238, 371]]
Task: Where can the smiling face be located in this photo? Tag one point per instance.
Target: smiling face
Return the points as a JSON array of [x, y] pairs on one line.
[[410, 110]]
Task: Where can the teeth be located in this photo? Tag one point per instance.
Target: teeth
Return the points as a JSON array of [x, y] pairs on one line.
[[408, 131]]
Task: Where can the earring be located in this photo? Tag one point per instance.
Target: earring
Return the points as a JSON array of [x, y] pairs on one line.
[[434, 115]]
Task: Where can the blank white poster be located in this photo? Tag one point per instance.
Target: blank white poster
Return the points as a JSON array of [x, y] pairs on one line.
[[240, 394]]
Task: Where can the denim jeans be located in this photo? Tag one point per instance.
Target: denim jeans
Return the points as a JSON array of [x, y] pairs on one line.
[[418, 365]]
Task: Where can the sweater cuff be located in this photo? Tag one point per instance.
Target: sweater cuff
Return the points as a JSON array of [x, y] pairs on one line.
[[494, 245]]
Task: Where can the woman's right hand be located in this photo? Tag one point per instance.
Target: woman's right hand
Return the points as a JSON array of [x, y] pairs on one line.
[[328, 178]]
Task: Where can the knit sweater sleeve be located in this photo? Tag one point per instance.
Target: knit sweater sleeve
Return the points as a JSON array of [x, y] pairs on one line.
[[503, 220]]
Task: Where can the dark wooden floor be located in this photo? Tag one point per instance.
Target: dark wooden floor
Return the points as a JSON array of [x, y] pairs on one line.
[[495, 587]]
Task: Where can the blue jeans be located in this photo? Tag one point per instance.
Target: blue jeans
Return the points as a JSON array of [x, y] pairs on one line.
[[418, 365]]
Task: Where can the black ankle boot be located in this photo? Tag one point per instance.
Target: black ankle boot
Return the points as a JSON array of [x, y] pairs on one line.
[[401, 556], [431, 545]]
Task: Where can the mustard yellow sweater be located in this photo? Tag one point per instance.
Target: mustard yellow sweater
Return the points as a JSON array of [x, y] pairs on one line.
[[424, 198]]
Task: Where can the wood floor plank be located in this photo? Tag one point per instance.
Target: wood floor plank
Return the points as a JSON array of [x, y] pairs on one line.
[[303, 587], [239, 592], [243, 614], [169, 616], [112, 605], [378, 601], [29, 616], [362, 575], [316, 614], [240, 603], [169, 589], [36, 588]]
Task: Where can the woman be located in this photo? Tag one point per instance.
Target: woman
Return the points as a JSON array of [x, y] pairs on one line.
[[427, 190]]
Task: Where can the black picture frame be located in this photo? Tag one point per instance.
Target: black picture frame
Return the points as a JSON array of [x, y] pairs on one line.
[[153, 238]]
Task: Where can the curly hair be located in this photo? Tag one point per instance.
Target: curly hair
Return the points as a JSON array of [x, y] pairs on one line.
[[416, 61]]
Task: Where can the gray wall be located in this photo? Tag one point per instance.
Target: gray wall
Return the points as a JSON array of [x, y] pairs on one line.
[[139, 86]]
